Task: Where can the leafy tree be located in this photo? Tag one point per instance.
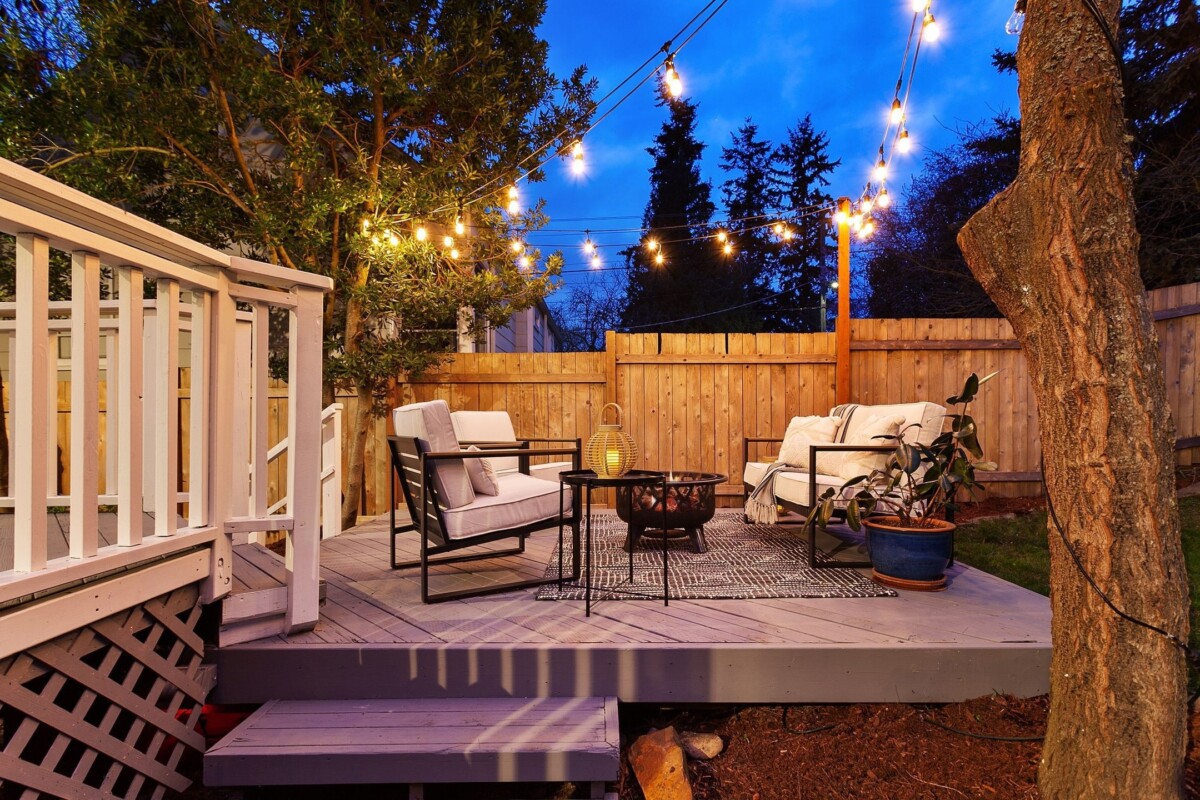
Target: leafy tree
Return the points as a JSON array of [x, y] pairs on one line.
[[751, 194], [804, 165], [314, 135], [915, 267]]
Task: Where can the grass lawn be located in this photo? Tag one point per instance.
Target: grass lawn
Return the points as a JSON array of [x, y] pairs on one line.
[[1017, 550]]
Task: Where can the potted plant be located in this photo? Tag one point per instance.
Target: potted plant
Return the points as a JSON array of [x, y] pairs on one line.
[[903, 504]]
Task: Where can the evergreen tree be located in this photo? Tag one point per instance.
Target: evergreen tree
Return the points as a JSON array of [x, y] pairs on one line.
[[677, 215], [806, 264], [751, 195]]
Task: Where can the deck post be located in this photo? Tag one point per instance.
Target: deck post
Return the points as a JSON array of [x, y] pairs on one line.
[[85, 403], [30, 420], [304, 458], [223, 469], [843, 307]]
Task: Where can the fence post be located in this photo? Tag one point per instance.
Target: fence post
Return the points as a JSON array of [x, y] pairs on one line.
[[843, 311]]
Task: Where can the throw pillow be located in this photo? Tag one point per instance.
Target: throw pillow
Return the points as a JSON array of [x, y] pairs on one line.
[[856, 463], [483, 478], [803, 431]]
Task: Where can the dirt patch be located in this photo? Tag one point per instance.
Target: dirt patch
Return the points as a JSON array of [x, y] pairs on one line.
[[994, 507]]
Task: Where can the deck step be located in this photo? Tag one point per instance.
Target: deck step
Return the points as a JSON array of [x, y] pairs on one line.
[[418, 741]]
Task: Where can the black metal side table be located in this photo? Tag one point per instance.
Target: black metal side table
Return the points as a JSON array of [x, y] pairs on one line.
[[586, 481]]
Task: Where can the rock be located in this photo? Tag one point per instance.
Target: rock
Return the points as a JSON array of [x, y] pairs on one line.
[[701, 746], [657, 761]]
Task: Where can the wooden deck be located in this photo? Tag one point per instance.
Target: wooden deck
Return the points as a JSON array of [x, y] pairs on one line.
[[376, 640]]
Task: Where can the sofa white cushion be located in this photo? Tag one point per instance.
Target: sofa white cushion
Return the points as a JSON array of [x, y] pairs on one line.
[[522, 500], [930, 416], [482, 474], [793, 486], [487, 426], [430, 422], [851, 464], [803, 431]]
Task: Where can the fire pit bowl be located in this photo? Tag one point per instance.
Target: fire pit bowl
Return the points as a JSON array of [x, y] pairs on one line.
[[691, 502]]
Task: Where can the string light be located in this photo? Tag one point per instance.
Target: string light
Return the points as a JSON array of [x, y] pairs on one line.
[[517, 245], [393, 239], [523, 262], [671, 79], [454, 253], [514, 200], [659, 258], [421, 233], [883, 199], [778, 228], [930, 31], [903, 142], [866, 204], [448, 241], [595, 261], [840, 217], [722, 236], [652, 245], [919, 5], [589, 246], [728, 248], [366, 225], [787, 234], [866, 229], [897, 115], [856, 221], [881, 170], [459, 227]]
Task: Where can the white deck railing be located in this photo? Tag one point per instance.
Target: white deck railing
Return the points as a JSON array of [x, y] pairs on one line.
[[331, 474], [198, 289]]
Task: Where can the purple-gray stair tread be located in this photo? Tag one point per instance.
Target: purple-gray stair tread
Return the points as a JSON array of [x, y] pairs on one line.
[[458, 740]]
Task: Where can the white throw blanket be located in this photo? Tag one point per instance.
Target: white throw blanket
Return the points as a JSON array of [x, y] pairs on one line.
[[761, 507]]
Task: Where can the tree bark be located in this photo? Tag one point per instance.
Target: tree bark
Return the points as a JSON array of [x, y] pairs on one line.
[[359, 428], [1057, 252]]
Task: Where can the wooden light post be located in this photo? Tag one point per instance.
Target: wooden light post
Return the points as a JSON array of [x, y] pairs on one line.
[[843, 302]]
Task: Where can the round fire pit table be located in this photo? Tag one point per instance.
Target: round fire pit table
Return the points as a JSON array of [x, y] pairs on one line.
[[691, 502]]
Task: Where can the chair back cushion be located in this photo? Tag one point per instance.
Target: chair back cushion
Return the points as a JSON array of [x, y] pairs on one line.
[[487, 426], [430, 422]]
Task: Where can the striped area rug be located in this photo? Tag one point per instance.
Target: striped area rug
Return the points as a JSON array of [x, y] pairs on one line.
[[743, 562]]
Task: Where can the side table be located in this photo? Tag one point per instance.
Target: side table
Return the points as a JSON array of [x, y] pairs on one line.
[[586, 480]]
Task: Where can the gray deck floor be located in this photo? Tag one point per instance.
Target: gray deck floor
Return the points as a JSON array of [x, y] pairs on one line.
[[376, 639]]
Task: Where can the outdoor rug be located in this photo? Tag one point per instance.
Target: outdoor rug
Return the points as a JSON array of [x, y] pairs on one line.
[[743, 562]]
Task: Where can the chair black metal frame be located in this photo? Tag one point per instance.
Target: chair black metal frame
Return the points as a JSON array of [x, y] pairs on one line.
[[413, 465]]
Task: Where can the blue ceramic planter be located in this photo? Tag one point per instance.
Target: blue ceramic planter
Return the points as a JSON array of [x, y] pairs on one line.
[[913, 559]]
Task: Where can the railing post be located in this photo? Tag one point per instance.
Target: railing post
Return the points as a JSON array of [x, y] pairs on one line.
[[166, 403], [331, 483], [85, 403], [201, 432], [304, 458], [259, 414], [222, 466], [130, 370], [31, 424]]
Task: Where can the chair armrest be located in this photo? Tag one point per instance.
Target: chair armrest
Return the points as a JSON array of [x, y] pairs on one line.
[[746, 440], [813, 449], [516, 453]]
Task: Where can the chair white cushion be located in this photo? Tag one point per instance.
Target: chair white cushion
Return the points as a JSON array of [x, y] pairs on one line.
[[851, 464], [487, 426], [522, 500], [803, 431], [430, 422], [549, 472], [793, 486], [930, 416]]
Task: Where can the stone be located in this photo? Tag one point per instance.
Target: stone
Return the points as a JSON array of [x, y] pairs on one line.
[[658, 762], [701, 746]]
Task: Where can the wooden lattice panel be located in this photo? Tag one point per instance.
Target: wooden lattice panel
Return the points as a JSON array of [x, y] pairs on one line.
[[103, 711]]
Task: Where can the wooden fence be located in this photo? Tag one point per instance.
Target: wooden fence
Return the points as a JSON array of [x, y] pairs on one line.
[[689, 399]]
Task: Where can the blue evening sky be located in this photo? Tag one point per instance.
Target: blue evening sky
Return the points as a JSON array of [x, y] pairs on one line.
[[773, 61]]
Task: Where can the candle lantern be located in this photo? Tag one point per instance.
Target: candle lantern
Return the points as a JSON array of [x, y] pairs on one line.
[[610, 452]]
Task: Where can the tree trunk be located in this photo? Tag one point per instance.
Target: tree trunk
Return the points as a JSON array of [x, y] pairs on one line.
[[1057, 252], [359, 428]]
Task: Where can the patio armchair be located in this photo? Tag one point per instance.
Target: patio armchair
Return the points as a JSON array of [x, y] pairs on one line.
[[447, 512]]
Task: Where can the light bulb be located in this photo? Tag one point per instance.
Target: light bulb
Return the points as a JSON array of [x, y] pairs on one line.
[[787, 234], [841, 217], [856, 221], [866, 204], [897, 112], [448, 241], [366, 225], [421, 233], [903, 143], [722, 236], [523, 262], [516, 245], [459, 227], [881, 170], [578, 167], [454, 252], [675, 87], [728, 249], [577, 151], [883, 199], [1016, 22], [393, 239], [596, 261], [651, 245], [375, 240], [589, 247], [513, 192], [919, 5], [868, 227], [514, 207], [778, 228], [930, 31], [833, 284], [659, 258]]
